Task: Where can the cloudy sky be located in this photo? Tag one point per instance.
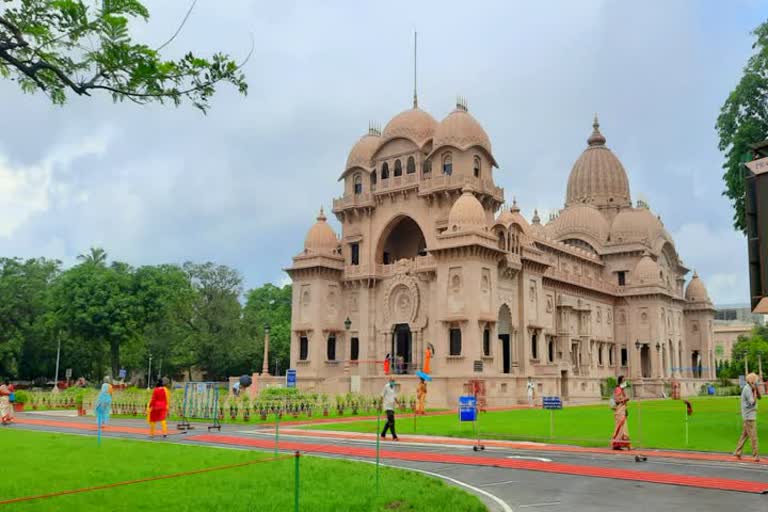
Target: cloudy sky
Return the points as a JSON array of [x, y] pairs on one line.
[[242, 185]]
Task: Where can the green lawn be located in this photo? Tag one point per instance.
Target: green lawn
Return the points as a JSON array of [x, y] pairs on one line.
[[37, 463], [714, 426]]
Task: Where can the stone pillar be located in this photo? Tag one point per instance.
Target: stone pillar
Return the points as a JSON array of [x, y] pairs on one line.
[[265, 366]]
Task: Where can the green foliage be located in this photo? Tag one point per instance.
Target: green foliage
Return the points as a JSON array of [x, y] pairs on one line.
[[743, 121], [81, 46], [22, 397], [271, 305], [607, 387]]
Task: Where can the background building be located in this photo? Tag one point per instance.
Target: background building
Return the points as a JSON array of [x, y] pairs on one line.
[[423, 259]]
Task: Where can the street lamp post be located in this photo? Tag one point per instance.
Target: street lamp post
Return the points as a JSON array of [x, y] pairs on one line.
[[58, 355], [149, 371], [265, 366]]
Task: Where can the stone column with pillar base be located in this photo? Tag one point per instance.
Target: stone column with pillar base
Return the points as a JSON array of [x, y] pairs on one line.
[[265, 366]]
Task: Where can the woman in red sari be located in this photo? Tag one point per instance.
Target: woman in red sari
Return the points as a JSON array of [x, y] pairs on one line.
[[620, 437], [157, 409]]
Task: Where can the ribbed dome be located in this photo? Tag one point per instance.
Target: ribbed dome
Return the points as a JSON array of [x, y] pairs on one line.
[[646, 272], [321, 238], [466, 212], [505, 218], [461, 130], [597, 177], [696, 291], [579, 219], [636, 225], [362, 151], [413, 124]]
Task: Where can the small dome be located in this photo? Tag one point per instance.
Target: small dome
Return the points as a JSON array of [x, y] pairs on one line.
[[466, 212], [413, 124], [696, 291], [597, 177], [579, 220], [636, 225], [459, 129], [362, 151], [646, 272], [537, 229], [320, 237]]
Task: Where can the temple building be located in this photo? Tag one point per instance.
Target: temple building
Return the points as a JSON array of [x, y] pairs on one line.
[[428, 255]]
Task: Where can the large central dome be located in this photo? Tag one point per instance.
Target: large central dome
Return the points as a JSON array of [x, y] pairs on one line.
[[597, 177]]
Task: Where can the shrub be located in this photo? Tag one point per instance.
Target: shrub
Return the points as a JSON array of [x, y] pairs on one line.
[[607, 387], [22, 397]]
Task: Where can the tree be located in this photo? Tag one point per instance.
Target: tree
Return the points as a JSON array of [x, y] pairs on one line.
[[95, 256], [755, 348], [271, 305], [743, 121], [82, 46], [25, 342]]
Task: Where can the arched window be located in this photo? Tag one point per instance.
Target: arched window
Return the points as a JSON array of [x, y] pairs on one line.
[[426, 167], [358, 184], [448, 164], [476, 166], [398, 168], [385, 171], [411, 166], [373, 179], [331, 348], [455, 341]]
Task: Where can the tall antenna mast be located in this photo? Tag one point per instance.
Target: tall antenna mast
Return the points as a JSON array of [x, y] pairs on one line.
[[415, 98]]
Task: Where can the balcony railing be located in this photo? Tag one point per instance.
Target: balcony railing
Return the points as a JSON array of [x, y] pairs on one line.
[[353, 201], [586, 282], [379, 270]]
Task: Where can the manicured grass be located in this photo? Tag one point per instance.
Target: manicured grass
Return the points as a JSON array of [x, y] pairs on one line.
[[714, 426], [37, 463]]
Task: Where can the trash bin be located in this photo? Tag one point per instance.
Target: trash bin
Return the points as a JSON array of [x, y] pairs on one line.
[[467, 408], [710, 389]]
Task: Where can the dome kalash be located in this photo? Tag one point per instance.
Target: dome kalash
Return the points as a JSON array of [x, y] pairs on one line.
[[426, 257]]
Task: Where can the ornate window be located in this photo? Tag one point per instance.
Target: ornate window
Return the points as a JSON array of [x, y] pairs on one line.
[[358, 184], [410, 167], [373, 179], [398, 168], [331, 348], [455, 341], [448, 164], [385, 171], [426, 167], [476, 166]]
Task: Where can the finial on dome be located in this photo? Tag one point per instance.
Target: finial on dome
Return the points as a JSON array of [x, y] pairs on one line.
[[514, 205], [695, 274], [461, 103], [415, 97], [536, 219], [321, 217], [596, 139]]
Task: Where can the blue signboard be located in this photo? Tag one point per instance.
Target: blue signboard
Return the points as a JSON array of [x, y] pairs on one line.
[[290, 379], [122, 373], [467, 408], [552, 402]]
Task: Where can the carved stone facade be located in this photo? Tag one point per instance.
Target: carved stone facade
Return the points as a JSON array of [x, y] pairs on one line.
[[423, 259]]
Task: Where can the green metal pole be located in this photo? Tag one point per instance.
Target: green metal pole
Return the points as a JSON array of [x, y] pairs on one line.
[[296, 484], [277, 431], [378, 444]]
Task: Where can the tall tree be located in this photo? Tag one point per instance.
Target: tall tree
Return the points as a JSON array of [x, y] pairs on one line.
[[743, 120], [25, 342], [271, 305], [82, 46]]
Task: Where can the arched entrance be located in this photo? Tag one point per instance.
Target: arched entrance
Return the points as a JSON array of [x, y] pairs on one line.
[[504, 328], [645, 361], [402, 349], [402, 239]]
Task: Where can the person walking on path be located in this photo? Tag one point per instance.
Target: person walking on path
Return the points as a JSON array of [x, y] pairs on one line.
[[749, 397], [388, 402], [620, 437], [6, 407], [421, 396], [531, 387], [104, 404], [157, 409]]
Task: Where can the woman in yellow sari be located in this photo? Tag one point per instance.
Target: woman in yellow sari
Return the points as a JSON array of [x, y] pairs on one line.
[[620, 437], [421, 396]]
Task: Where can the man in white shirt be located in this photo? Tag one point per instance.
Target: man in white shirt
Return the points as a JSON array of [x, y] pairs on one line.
[[388, 403]]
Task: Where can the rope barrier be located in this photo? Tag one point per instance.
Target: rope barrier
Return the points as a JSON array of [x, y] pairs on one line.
[[140, 481]]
